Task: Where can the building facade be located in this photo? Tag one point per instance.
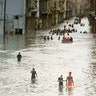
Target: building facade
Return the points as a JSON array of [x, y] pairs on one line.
[[75, 2], [69, 9], [14, 16], [45, 13], [51, 12], [31, 15], [93, 15]]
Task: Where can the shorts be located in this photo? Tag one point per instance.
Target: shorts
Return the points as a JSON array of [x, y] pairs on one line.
[[69, 84]]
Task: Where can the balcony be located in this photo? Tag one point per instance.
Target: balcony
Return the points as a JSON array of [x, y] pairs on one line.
[[53, 9], [43, 11], [61, 10], [58, 8], [32, 10], [92, 13], [61, 1]]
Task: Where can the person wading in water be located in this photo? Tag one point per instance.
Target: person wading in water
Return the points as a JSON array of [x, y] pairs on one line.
[[60, 80], [19, 56], [33, 76], [69, 80]]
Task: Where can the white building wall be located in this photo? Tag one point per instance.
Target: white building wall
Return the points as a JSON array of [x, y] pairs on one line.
[[18, 23], [1, 27], [1, 11], [13, 7]]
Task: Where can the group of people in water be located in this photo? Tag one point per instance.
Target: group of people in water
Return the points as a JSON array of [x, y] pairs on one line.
[[34, 74], [48, 37], [67, 38], [61, 33], [69, 28], [69, 80]]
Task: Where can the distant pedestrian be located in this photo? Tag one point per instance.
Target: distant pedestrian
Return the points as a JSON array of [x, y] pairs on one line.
[[51, 37], [59, 38], [19, 56], [60, 80], [48, 37], [44, 37]]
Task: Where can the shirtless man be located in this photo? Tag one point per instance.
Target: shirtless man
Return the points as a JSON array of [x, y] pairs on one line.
[[69, 80]]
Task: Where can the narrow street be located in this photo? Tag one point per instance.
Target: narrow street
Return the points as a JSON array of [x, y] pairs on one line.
[[51, 58]]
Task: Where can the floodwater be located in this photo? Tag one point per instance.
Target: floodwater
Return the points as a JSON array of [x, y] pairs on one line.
[[51, 59]]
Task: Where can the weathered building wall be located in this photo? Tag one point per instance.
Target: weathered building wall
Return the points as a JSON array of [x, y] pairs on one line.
[[93, 15], [13, 7]]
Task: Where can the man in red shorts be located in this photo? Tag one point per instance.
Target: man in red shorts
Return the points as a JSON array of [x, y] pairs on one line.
[[69, 80]]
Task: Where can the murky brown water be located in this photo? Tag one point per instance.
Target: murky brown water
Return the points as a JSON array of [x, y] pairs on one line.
[[51, 59]]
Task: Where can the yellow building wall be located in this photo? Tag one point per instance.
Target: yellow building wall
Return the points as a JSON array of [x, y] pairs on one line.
[[65, 9]]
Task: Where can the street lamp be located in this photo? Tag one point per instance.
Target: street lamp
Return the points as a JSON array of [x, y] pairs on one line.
[[4, 31]]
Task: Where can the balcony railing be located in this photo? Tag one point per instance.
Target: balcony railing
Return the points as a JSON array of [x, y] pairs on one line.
[[55, 9], [43, 11], [61, 10], [32, 10]]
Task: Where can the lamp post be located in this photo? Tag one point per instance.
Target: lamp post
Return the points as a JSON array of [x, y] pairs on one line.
[[4, 27], [95, 16]]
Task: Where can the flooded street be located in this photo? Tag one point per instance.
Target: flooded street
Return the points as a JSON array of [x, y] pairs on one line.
[[51, 59]]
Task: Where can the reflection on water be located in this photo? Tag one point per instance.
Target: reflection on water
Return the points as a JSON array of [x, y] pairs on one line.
[[51, 59]]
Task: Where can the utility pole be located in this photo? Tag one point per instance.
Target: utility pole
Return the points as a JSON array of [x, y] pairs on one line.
[[4, 27], [95, 15]]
